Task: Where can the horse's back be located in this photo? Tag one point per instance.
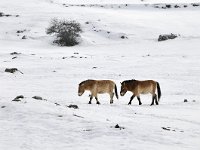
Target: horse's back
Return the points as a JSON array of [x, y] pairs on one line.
[[105, 86], [147, 86]]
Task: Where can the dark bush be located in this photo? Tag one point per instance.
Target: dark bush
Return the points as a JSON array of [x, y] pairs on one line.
[[67, 32]]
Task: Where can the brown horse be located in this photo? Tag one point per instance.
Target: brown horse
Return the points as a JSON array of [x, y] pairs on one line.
[[141, 87], [98, 87]]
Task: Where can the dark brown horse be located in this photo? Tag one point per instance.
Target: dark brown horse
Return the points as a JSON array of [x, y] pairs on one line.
[[141, 87], [98, 87]]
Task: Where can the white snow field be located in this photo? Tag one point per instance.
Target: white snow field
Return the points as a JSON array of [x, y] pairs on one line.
[[54, 72]]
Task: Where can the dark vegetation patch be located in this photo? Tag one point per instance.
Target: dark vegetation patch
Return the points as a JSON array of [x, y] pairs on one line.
[[67, 32]]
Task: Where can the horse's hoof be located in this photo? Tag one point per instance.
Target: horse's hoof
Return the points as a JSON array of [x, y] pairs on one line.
[[151, 104], [98, 103], [89, 103], [129, 103], [140, 103]]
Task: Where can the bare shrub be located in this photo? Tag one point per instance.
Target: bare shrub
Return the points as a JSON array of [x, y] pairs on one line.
[[67, 32]]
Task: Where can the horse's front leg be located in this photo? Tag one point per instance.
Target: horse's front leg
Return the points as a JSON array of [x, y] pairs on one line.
[[91, 97], [132, 97], [138, 97]]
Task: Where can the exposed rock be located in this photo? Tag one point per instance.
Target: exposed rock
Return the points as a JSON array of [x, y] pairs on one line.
[[15, 53], [24, 37], [77, 116], [119, 127], [14, 57], [185, 101], [3, 106], [124, 37], [166, 128], [18, 98], [12, 70], [73, 106], [57, 104], [37, 97], [195, 5], [166, 37]]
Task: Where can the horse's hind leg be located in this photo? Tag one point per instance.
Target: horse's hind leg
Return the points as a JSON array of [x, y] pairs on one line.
[[111, 97], [132, 97], [138, 97], [97, 100], [156, 100], [154, 97]]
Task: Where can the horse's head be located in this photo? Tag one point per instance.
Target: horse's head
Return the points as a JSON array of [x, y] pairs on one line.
[[81, 89], [123, 89]]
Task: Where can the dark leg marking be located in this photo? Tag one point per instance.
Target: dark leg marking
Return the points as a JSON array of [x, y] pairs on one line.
[[138, 97], [91, 97], [97, 100], [132, 97], [152, 103]]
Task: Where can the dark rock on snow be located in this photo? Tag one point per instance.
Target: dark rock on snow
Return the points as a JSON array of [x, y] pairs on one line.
[[166, 37], [18, 98], [73, 106], [37, 97]]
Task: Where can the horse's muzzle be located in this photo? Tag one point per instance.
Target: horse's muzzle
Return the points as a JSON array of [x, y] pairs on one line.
[[122, 94], [79, 94]]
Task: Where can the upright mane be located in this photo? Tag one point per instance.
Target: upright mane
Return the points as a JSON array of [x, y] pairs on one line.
[[129, 81], [83, 82]]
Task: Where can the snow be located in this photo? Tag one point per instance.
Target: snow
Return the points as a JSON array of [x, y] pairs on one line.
[[41, 124]]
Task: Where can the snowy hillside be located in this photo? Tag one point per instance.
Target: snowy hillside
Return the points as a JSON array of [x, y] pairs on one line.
[[54, 72]]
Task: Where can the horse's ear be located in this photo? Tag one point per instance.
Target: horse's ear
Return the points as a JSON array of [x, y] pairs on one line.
[[120, 83]]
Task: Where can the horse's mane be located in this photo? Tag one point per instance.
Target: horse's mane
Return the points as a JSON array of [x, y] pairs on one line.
[[83, 82], [128, 81]]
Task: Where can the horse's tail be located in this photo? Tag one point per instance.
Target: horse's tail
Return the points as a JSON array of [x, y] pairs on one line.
[[116, 94], [159, 91]]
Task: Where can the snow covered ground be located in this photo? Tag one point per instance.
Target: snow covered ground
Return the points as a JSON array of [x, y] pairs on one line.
[[54, 73]]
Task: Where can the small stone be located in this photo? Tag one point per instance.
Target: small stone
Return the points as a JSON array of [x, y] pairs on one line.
[[57, 104], [119, 127], [185, 100], [20, 96], [14, 57], [116, 126], [15, 53], [193, 100], [11, 70], [3, 106], [16, 100], [37, 97], [73, 106], [24, 37]]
